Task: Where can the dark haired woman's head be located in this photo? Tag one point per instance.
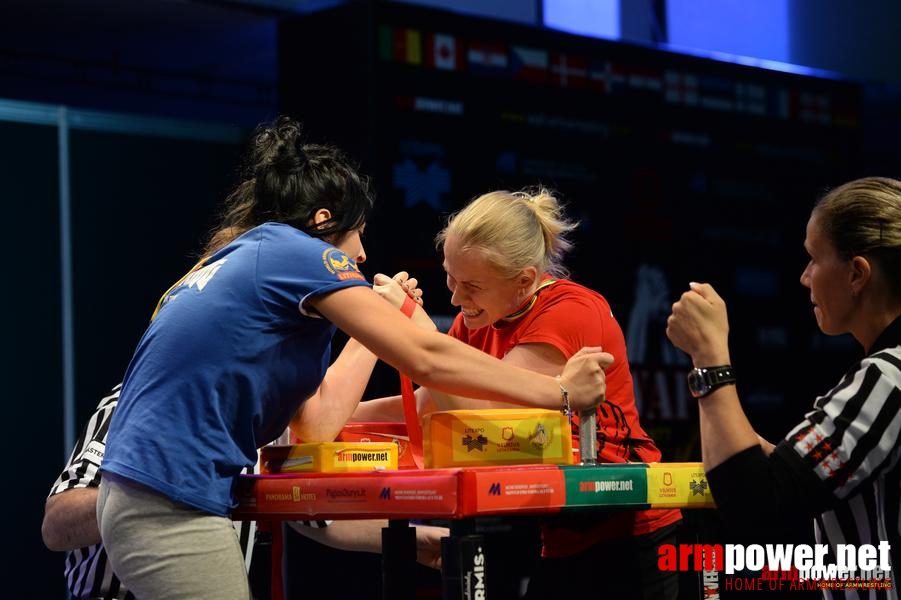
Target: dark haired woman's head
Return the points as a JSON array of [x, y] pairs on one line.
[[287, 181]]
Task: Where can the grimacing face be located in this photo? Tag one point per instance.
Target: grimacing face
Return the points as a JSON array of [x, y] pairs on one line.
[[483, 295]]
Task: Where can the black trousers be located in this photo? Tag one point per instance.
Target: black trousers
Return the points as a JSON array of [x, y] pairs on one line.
[[619, 569]]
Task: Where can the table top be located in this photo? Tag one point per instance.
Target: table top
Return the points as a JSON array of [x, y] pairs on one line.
[[471, 491]]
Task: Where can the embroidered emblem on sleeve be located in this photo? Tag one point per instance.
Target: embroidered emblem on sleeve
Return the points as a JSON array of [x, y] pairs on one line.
[[341, 265]]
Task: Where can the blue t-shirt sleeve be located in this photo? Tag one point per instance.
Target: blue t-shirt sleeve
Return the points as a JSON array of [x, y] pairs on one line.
[[293, 267]]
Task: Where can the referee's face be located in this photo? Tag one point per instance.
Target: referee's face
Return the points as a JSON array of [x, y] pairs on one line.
[[829, 278]]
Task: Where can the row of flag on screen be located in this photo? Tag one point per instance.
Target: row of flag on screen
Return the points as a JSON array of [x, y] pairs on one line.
[[448, 52]]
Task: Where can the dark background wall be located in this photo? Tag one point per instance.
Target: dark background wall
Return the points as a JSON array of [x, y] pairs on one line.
[[140, 204], [680, 167]]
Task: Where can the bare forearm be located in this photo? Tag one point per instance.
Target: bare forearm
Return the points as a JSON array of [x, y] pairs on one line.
[[389, 408], [70, 520], [725, 430], [699, 326], [463, 369], [345, 381], [364, 535], [538, 357], [322, 416], [451, 402], [433, 359]]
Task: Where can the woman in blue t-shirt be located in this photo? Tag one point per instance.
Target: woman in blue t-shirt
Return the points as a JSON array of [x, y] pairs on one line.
[[240, 348]]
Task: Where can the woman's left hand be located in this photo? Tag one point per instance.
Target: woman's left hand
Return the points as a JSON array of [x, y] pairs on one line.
[[396, 289]]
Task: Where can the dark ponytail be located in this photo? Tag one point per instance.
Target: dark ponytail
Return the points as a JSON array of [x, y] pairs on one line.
[[287, 181]]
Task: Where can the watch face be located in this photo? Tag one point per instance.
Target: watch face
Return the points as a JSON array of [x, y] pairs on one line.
[[696, 383], [702, 381]]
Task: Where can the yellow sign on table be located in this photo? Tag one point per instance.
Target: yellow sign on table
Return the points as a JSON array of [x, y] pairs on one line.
[[329, 457], [679, 485], [467, 438]]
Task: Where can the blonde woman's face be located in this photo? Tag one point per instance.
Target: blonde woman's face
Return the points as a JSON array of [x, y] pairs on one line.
[[481, 293]]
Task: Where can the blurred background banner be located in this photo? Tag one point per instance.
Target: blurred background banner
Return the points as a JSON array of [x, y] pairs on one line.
[[679, 167]]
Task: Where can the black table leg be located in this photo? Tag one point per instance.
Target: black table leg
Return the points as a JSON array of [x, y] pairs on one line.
[[398, 561]]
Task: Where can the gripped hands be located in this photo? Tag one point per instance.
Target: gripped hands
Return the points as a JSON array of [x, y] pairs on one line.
[[396, 289]]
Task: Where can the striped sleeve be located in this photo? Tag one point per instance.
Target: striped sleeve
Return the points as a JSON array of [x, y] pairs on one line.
[[852, 431], [82, 469], [314, 524]]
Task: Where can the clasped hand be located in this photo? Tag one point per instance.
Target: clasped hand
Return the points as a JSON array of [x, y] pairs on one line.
[[584, 377], [396, 289], [699, 326]]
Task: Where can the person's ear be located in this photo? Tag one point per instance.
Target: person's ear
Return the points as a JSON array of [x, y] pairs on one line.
[[321, 216], [861, 273], [528, 278]]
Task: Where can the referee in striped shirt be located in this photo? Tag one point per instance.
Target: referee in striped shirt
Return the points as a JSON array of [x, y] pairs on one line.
[[70, 516], [841, 465]]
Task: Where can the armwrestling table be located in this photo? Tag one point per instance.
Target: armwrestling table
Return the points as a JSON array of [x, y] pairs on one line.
[[459, 494]]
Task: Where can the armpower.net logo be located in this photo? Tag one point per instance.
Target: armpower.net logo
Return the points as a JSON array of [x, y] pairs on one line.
[[781, 566]]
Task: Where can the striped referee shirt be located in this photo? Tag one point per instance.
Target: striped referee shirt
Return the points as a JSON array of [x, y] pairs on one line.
[[851, 441], [87, 570], [841, 466]]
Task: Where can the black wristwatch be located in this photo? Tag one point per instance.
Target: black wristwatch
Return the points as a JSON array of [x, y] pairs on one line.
[[704, 380]]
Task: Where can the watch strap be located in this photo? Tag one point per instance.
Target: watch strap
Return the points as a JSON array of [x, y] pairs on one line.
[[717, 376], [704, 380]]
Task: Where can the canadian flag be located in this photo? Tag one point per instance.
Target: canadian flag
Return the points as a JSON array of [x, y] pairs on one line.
[[443, 52]]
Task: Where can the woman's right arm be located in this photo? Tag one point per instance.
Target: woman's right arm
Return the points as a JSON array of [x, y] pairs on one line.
[[365, 535], [389, 408], [324, 413], [699, 326], [434, 359]]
